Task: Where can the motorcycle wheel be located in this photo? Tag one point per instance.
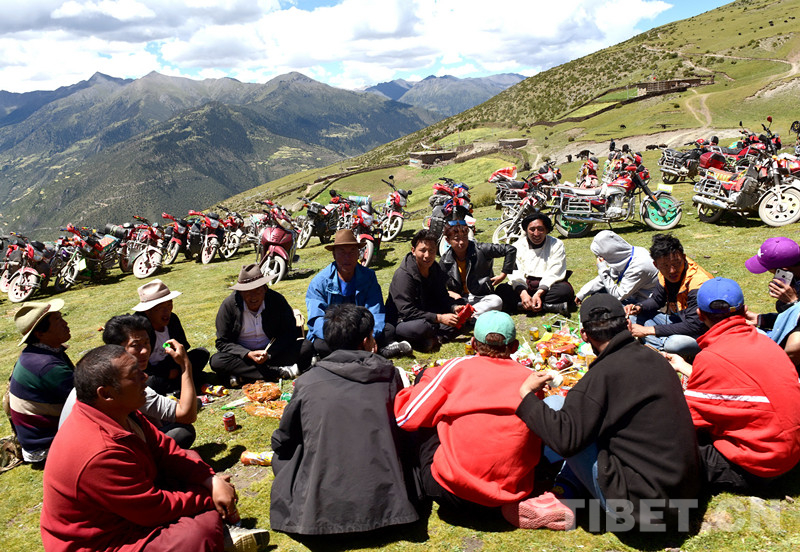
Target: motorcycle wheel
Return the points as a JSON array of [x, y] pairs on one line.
[[5, 280], [781, 211], [231, 246], [571, 229], [67, 277], [505, 234], [305, 235], [508, 212], [366, 252], [669, 178], [274, 269], [708, 214], [22, 286], [172, 252], [393, 226], [209, 251], [147, 263], [656, 221]]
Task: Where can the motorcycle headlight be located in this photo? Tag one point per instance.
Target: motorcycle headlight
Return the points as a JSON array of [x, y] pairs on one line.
[[213, 223], [402, 201], [368, 219]]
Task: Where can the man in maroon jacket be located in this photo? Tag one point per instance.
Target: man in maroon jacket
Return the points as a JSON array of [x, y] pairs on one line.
[[114, 482]]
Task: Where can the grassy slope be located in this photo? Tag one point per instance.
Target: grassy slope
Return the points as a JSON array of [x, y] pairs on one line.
[[720, 248]]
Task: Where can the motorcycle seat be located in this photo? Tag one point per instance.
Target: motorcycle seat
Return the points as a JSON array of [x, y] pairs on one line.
[[586, 192]]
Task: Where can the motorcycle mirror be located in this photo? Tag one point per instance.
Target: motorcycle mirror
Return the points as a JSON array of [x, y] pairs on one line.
[[769, 118], [740, 123], [391, 177], [410, 192], [333, 193]]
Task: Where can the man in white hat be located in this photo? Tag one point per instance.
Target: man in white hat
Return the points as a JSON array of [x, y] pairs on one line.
[[346, 281], [42, 377], [257, 334], [164, 374]]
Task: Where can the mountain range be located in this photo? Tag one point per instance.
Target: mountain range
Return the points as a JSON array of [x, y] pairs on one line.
[[447, 95]]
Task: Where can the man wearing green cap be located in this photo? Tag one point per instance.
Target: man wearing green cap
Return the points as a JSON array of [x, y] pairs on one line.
[[42, 377], [475, 454]]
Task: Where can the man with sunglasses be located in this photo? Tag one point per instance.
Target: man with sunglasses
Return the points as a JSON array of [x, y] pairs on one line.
[[470, 275]]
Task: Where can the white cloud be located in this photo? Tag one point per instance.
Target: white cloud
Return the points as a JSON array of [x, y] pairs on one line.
[[46, 43]]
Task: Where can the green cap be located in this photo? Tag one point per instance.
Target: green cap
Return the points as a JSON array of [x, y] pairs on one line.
[[495, 322]]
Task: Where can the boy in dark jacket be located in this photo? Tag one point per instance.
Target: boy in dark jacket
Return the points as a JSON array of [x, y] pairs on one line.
[[336, 451]]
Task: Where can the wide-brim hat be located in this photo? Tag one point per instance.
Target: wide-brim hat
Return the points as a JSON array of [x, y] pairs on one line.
[[32, 313], [250, 277], [342, 237], [152, 294]]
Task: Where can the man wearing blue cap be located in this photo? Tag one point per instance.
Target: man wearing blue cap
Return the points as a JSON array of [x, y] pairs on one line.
[[469, 402], [742, 393]]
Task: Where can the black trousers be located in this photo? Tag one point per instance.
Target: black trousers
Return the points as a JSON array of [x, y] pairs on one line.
[[158, 374], [424, 336], [559, 292], [723, 475], [227, 365]]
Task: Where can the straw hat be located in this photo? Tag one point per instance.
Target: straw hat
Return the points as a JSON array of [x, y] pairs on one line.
[[31, 314], [342, 237], [152, 294], [250, 277]]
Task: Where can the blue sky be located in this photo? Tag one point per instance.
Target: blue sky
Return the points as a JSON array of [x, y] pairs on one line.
[[45, 44]]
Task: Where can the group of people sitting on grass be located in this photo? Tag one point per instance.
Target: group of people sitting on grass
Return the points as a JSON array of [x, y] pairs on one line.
[[359, 448]]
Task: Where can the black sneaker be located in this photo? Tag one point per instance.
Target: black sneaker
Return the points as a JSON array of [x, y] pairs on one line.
[[395, 349]]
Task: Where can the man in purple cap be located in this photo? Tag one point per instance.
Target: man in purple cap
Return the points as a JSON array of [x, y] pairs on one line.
[[742, 393]]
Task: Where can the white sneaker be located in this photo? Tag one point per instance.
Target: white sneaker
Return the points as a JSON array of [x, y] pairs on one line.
[[289, 372], [239, 539]]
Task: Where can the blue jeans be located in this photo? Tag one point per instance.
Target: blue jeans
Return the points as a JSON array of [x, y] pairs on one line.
[[683, 345], [580, 469]]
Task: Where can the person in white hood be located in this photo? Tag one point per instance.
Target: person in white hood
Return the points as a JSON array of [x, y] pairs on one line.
[[624, 271]]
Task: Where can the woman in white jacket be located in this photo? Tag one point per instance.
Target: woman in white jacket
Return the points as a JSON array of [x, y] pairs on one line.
[[624, 271]]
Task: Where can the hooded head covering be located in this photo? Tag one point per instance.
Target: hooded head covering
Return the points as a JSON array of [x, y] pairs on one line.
[[614, 250]]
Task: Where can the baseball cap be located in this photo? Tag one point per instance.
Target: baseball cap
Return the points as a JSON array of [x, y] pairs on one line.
[[601, 306], [495, 322], [774, 253], [724, 291]]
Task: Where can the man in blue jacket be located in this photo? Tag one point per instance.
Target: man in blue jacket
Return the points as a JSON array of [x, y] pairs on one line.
[[346, 281]]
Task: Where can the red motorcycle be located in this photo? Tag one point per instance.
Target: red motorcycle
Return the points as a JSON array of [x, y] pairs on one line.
[[142, 250], [212, 235], [12, 259], [177, 236], [91, 258], [391, 219], [277, 246], [357, 215], [33, 272], [234, 232]]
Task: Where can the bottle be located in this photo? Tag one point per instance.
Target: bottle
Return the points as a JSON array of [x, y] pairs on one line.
[[216, 390], [256, 458]]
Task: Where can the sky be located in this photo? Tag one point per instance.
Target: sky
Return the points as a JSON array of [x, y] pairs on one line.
[[45, 44]]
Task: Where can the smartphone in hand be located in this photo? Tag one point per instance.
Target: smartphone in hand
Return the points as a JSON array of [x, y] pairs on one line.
[[784, 275]]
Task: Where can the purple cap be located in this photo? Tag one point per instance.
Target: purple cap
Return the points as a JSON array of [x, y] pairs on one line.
[[774, 253], [724, 290]]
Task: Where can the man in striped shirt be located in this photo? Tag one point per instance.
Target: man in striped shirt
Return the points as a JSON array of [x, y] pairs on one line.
[[742, 393], [42, 377]]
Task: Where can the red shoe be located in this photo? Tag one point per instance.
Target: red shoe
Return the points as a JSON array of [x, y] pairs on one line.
[[542, 511]]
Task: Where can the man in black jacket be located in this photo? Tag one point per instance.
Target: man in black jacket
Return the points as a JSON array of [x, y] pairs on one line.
[[624, 428], [337, 449], [470, 277], [418, 304], [164, 374], [257, 334]]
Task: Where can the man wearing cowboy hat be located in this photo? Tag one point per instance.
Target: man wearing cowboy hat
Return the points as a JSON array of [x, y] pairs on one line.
[[346, 281], [42, 377], [257, 335], [164, 374]]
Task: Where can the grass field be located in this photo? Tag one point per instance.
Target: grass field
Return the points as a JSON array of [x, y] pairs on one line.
[[731, 522]]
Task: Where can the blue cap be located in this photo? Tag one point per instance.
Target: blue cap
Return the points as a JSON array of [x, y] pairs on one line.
[[724, 290], [495, 322]]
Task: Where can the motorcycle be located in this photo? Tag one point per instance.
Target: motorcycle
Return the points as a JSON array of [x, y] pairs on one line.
[[510, 230], [211, 235], [177, 237], [12, 259], [33, 272], [91, 257], [142, 250], [357, 215], [277, 245], [234, 232], [509, 192], [576, 210], [319, 221], [678, 165], [393, 214], [764, 186]]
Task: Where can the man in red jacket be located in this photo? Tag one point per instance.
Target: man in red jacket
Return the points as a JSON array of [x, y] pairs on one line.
[[471, 400], [742, 393], [114, 482]]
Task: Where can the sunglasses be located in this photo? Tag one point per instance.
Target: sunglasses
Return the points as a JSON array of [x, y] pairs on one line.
[[456, 223]]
